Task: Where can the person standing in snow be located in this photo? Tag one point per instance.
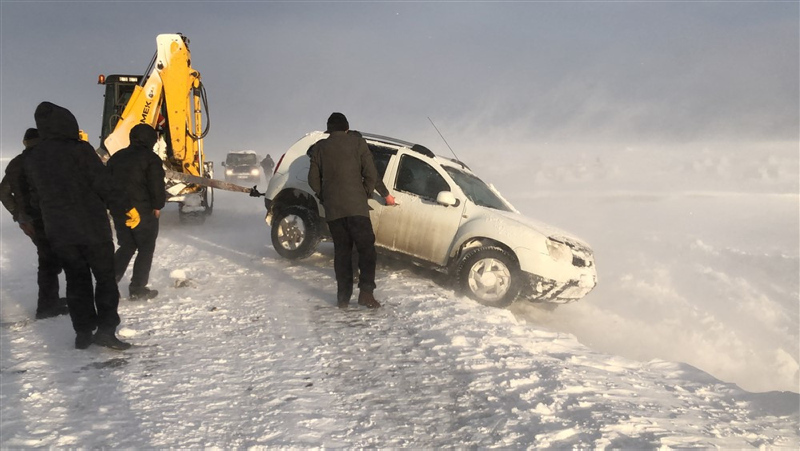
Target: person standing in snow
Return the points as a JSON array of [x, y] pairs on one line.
[[343, 176], [138, 171], [267, 164], [72, 188], [11, 194]]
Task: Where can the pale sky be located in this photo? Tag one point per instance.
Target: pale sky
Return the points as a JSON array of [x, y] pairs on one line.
[[546, 71]]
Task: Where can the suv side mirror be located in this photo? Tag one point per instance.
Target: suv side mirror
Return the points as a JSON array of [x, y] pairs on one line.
[[223, 164], [447, 199]]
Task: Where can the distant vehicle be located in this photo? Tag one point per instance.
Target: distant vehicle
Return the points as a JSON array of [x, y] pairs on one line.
[[242, 167], [447, 218]]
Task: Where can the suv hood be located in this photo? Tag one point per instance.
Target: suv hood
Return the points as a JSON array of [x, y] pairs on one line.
[[545, 229]]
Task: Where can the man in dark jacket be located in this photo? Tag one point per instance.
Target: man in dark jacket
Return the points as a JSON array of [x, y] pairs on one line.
[[68, 183], [11, 194], [267, 164], [138, 170], [343, 176]]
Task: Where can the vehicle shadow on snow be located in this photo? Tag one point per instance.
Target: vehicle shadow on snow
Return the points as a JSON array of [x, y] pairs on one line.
[[250, 228], [216, 238], [238, 249]]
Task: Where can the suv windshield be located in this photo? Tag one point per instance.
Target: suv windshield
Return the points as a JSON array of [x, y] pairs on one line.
[[476, 190], [240, 159]]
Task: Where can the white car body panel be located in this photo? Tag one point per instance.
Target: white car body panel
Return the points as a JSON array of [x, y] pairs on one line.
[[559, 267]]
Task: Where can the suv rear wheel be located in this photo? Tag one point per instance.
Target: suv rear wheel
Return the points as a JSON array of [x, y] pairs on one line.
[[295, 232], [489, 275]]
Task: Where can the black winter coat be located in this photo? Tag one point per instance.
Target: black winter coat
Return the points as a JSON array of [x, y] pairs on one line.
[[139, 171], [342, 174], [12, 187], [68, 183]]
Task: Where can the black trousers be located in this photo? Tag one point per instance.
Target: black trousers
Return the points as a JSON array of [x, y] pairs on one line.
[[47, 273], [346, 232], [91, 307], [142, 242]]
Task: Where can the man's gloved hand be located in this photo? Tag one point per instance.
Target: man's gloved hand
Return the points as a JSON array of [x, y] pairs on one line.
[[133, 218], [390, 200]]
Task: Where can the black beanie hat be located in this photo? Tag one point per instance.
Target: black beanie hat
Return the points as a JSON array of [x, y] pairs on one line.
[[31, 133], [337, 123], [143, 135]]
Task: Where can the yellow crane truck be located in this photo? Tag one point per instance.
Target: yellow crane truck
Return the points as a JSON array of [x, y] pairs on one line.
[[171, 98]]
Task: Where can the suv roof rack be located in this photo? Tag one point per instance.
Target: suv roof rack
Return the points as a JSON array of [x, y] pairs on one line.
[[460, 163], [415, 147]]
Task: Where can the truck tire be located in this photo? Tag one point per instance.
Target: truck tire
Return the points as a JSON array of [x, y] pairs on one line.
[[208, 201], [295, 232], [489, 275], [191, 217]]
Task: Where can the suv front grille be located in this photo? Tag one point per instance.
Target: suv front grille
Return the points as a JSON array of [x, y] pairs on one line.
[[581, 255]]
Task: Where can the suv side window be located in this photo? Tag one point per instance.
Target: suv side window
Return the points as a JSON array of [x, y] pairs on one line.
[[381, 156], [418, 177]]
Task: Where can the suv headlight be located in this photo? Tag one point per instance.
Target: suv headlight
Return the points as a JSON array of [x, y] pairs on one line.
[[559, 251], [228, 171], [254, 172]]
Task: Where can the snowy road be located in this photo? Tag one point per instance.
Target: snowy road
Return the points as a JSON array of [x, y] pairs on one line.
[[254, 353]]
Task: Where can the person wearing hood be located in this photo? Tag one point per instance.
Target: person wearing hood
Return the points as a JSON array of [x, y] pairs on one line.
[[342, 174], [11, 194], [73, 190], [139, 171], [267, 165]]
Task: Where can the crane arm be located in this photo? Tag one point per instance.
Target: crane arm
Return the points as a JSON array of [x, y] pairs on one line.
[[172, 90]]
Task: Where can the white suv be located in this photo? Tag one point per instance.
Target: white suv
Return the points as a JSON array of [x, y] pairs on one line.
[[447, 218]]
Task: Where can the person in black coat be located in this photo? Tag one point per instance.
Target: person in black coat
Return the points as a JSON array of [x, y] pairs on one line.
[[139, 171], [267, 165], [48, 303], [342, 174], [72, 189]]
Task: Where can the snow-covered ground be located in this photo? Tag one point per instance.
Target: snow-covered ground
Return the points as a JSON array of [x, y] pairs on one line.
[[689, 340]]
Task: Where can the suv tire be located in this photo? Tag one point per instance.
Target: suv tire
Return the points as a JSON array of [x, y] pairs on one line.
[[489, 275], [295, 232]]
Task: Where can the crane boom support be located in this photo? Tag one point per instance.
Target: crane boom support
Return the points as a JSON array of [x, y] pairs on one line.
[[171, 90], [170, 97]]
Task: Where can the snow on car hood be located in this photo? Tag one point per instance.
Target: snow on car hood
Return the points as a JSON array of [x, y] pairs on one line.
[[541, 227]]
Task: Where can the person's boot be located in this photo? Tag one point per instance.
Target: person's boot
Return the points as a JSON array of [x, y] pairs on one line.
[[141, 294], [343, 299], [52, 310], [83, 340], [366, 299], [110, 340]]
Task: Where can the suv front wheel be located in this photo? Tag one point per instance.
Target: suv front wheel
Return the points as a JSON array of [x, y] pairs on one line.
[[489, 275], [295, 232]]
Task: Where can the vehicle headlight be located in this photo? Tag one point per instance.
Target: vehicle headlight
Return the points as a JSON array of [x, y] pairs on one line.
[[228, 171], [559, 251], [254, 172]]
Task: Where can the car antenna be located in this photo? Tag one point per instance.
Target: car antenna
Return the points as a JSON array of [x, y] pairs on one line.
[[445, 141]]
